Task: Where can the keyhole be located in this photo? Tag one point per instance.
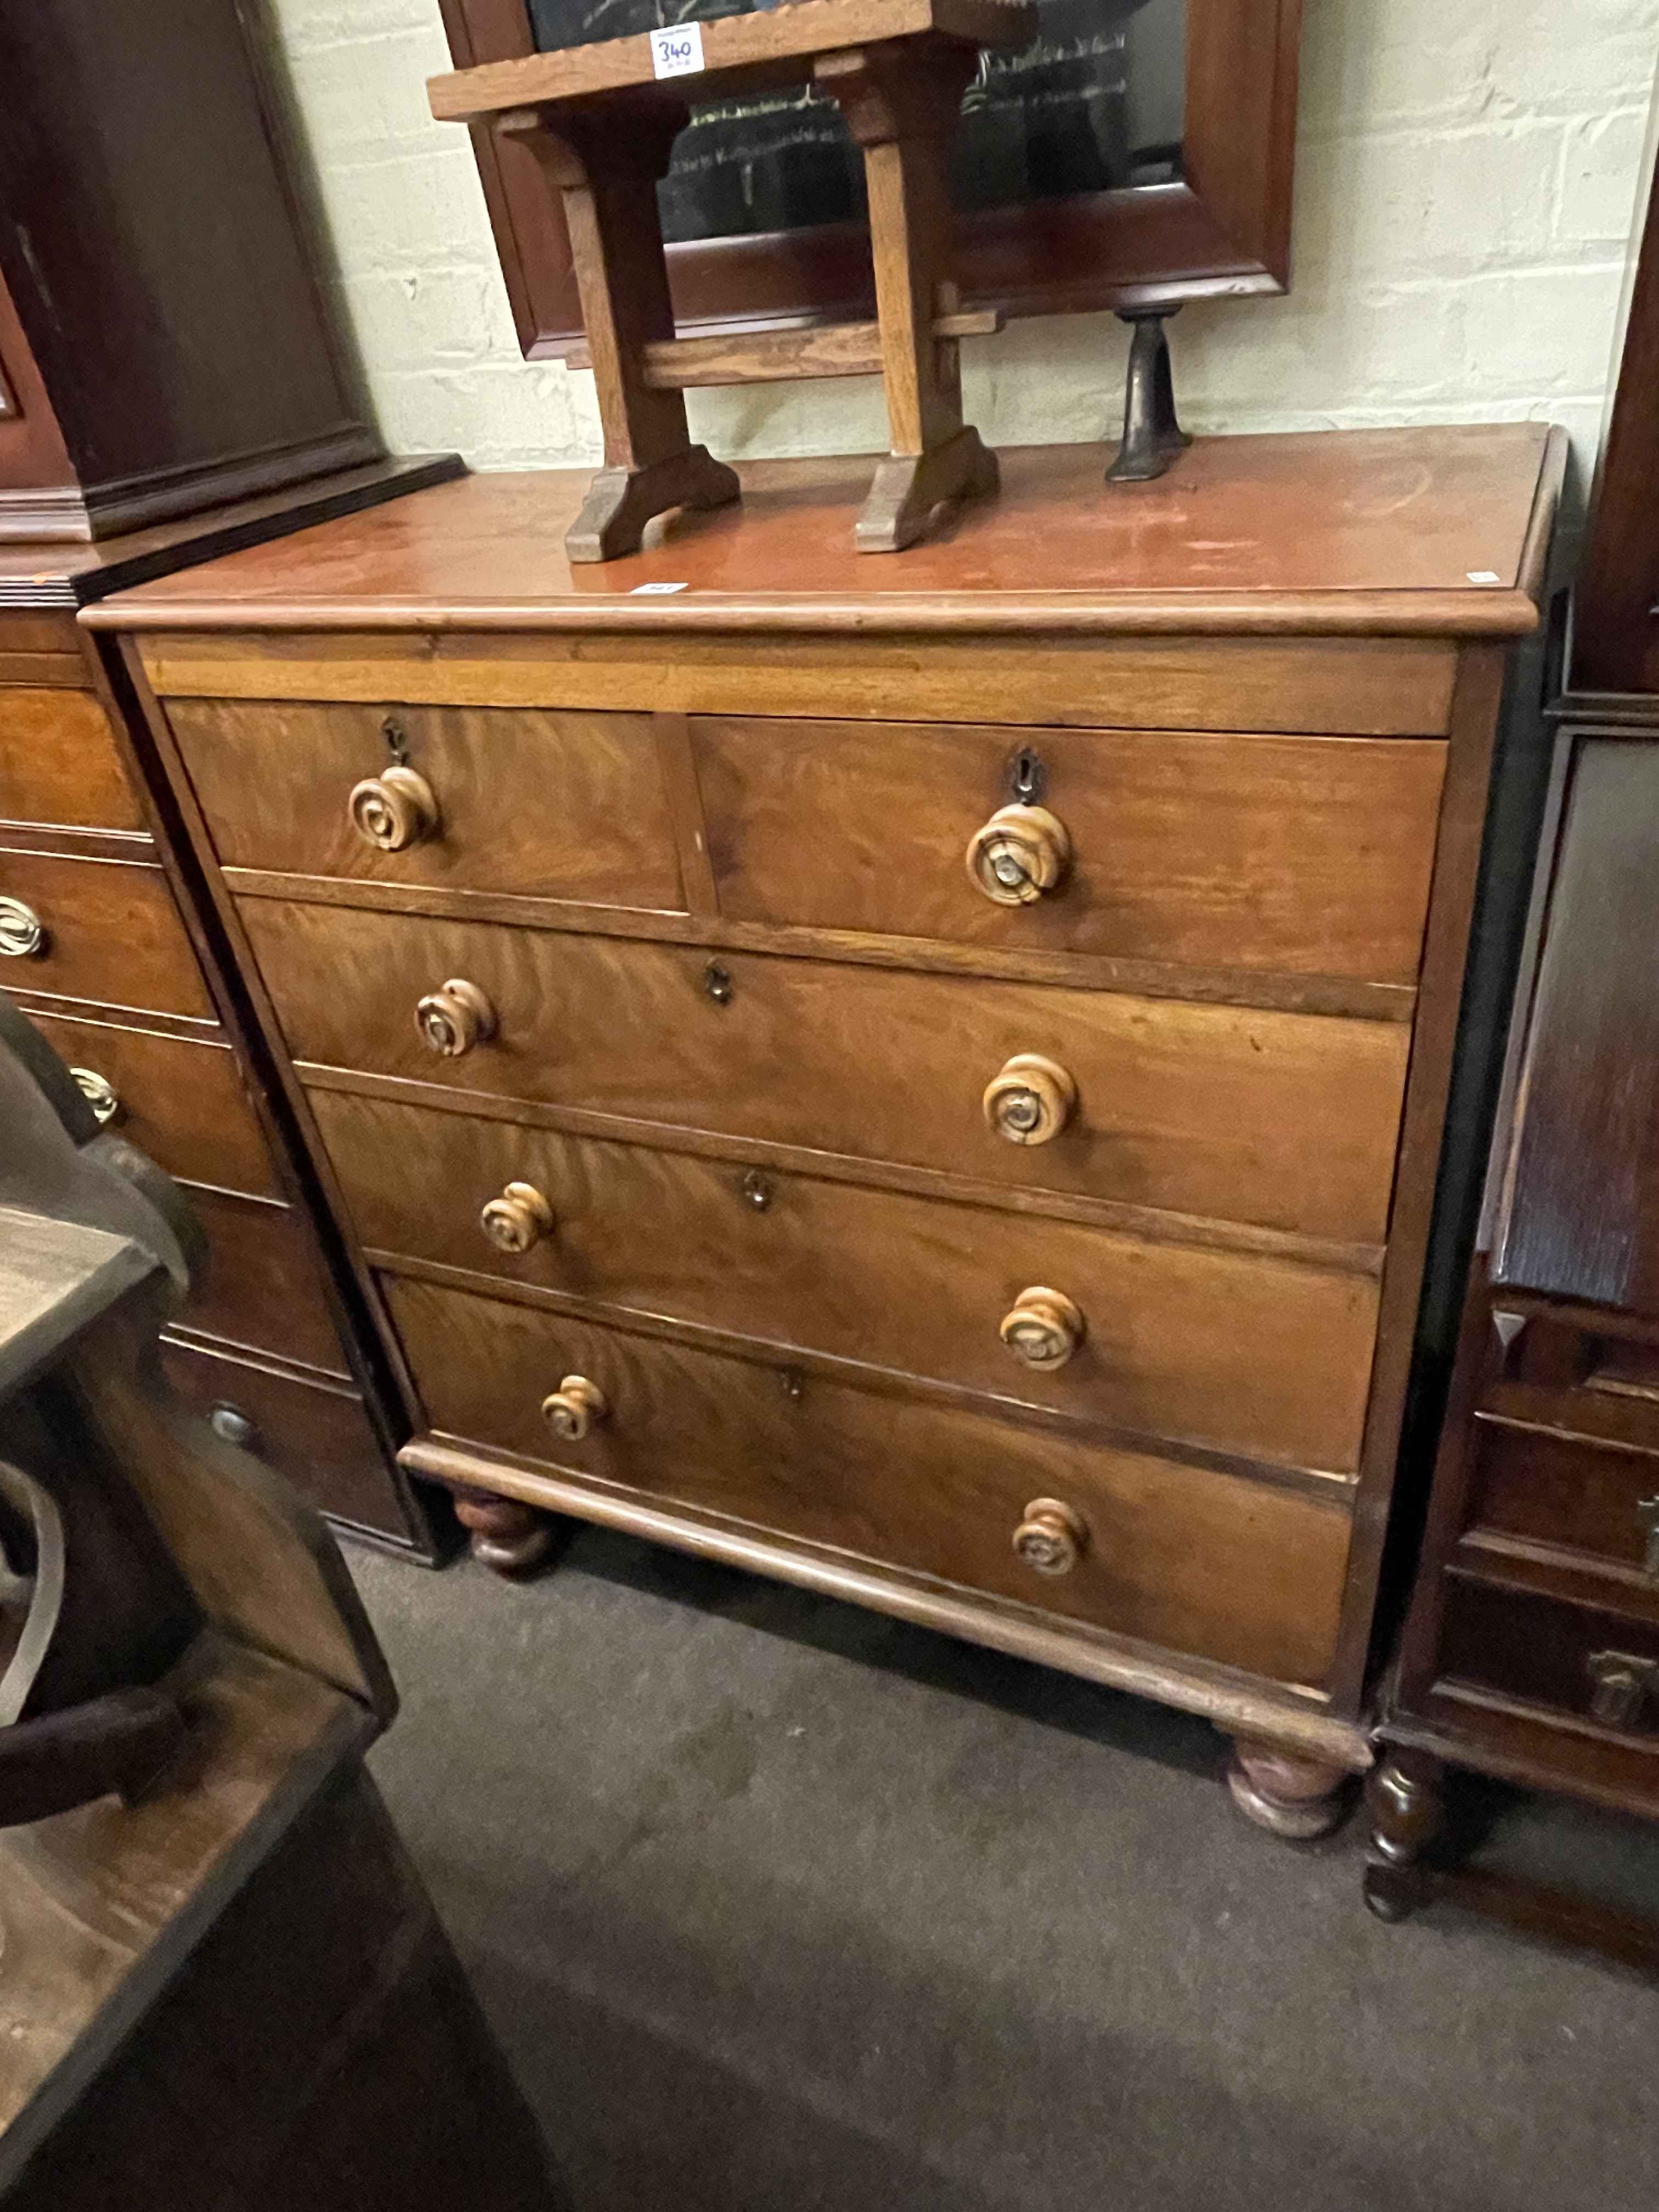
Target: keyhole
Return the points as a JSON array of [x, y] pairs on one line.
[[397, 741], [717, 982], [1027, 777]]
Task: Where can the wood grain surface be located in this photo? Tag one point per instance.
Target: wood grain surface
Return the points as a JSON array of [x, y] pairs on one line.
[[1258, 1357], [1308, 855], [58, 759], [1200, 1562], [113, 935], [1205, 1110], [263, 1285], [559, 806]]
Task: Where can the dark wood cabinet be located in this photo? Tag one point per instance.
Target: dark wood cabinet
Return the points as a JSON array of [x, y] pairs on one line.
[[165, 345]]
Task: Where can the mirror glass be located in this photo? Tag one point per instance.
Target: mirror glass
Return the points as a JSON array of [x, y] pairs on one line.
[[1094, 104]]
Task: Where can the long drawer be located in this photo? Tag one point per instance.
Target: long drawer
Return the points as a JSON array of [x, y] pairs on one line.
[[1257, 1356], [568, 806], [1237, 1571], [1305, 856], [315, 1434], [179, 1099], [1579, 1661], [106, 930], [262, 1286], [58, 762], [1289, 1120]]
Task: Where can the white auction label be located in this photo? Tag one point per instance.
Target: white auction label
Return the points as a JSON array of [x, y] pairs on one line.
[[653, 591], [679, 51]]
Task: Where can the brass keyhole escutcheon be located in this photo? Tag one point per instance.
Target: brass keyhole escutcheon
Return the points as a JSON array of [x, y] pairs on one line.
[[1031, 1100], [572, 1409], [1019, 855], [22, 933], [1044, 1327], [756, 1190], [718, 984], [99, 1093], [393, 809], [454, 1018], [1051, 1538], [517, 1220]]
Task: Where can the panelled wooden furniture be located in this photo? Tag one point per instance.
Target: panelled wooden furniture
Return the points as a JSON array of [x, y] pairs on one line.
[[165, 344], [924, 1082], [105, 944]]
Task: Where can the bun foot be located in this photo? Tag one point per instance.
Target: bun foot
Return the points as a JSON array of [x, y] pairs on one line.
[[1289, 1794], [506, 1537]]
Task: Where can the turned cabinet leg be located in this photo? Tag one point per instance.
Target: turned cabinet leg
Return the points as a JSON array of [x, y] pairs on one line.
[[510, 1538], [1286, 1792], [1406, 1803]]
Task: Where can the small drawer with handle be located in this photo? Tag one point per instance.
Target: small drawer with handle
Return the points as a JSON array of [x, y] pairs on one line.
[[1571, 1493], [104, 931], [1592, 1664], [1210, 1563], [564, 806]]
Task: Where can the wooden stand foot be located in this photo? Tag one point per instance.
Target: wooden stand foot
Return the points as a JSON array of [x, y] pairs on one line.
[[508, 1538], [1287, 1793], [908, 487], [620, 502], [1408, 1809]]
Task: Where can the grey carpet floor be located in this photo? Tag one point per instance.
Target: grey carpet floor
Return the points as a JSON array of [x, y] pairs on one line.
[[778, 1906]]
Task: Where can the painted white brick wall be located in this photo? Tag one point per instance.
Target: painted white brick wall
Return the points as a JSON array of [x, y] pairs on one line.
[[1465, 176]]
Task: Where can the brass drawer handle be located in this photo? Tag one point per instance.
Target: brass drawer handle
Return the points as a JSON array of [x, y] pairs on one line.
[[573, 1407], [454, 1018], [1030, 1100], [99, 1093], [1020, 853], [22, 933], [1647, 1517], [1621, 1684], [1044, 1329], [393, 809], [517, 1219], [233, 1424], [1051, 1538]]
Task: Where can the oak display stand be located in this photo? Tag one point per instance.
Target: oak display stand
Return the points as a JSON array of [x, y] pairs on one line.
[[601, 120]]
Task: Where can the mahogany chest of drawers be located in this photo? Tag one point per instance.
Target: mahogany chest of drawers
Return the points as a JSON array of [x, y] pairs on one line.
[[105, 946], [921, 1076]]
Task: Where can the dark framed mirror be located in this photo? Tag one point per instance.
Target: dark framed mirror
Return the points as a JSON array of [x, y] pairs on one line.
[[1140, 151]]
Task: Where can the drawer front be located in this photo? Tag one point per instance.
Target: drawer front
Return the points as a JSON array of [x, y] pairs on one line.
[[553, 805], [1305, 856], [1585, 1497], [109, 932], [317, 1436], [1285, 1119], [58, 762], [1203, 1563], [1571, 1659], [179, 1100], [263, 1285], [1245, 1354]]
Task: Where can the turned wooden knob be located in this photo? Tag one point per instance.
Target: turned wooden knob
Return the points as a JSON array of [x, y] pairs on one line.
[[454, 1018], [1044, 1329], [100, 1094], [517, 1219], [22, 933], [573, 1407], [1050, 1538], [1030, 1100], [1021, 853], [396, 808]]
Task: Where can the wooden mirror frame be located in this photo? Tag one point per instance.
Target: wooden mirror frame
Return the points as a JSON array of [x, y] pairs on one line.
[[1225, 231]]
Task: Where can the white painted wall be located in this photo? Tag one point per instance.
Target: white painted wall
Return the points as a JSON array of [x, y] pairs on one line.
[[1465, 181]]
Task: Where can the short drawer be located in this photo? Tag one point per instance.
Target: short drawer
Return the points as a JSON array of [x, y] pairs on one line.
[[106, 930], [58, 762], [1246, 1354], [316, 1435], [569, 806], [1305, 856], [1576, 1660], [263, 1285], [178, 1099], [1289, 1120], [1203, 1563], [1573, 1492]]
